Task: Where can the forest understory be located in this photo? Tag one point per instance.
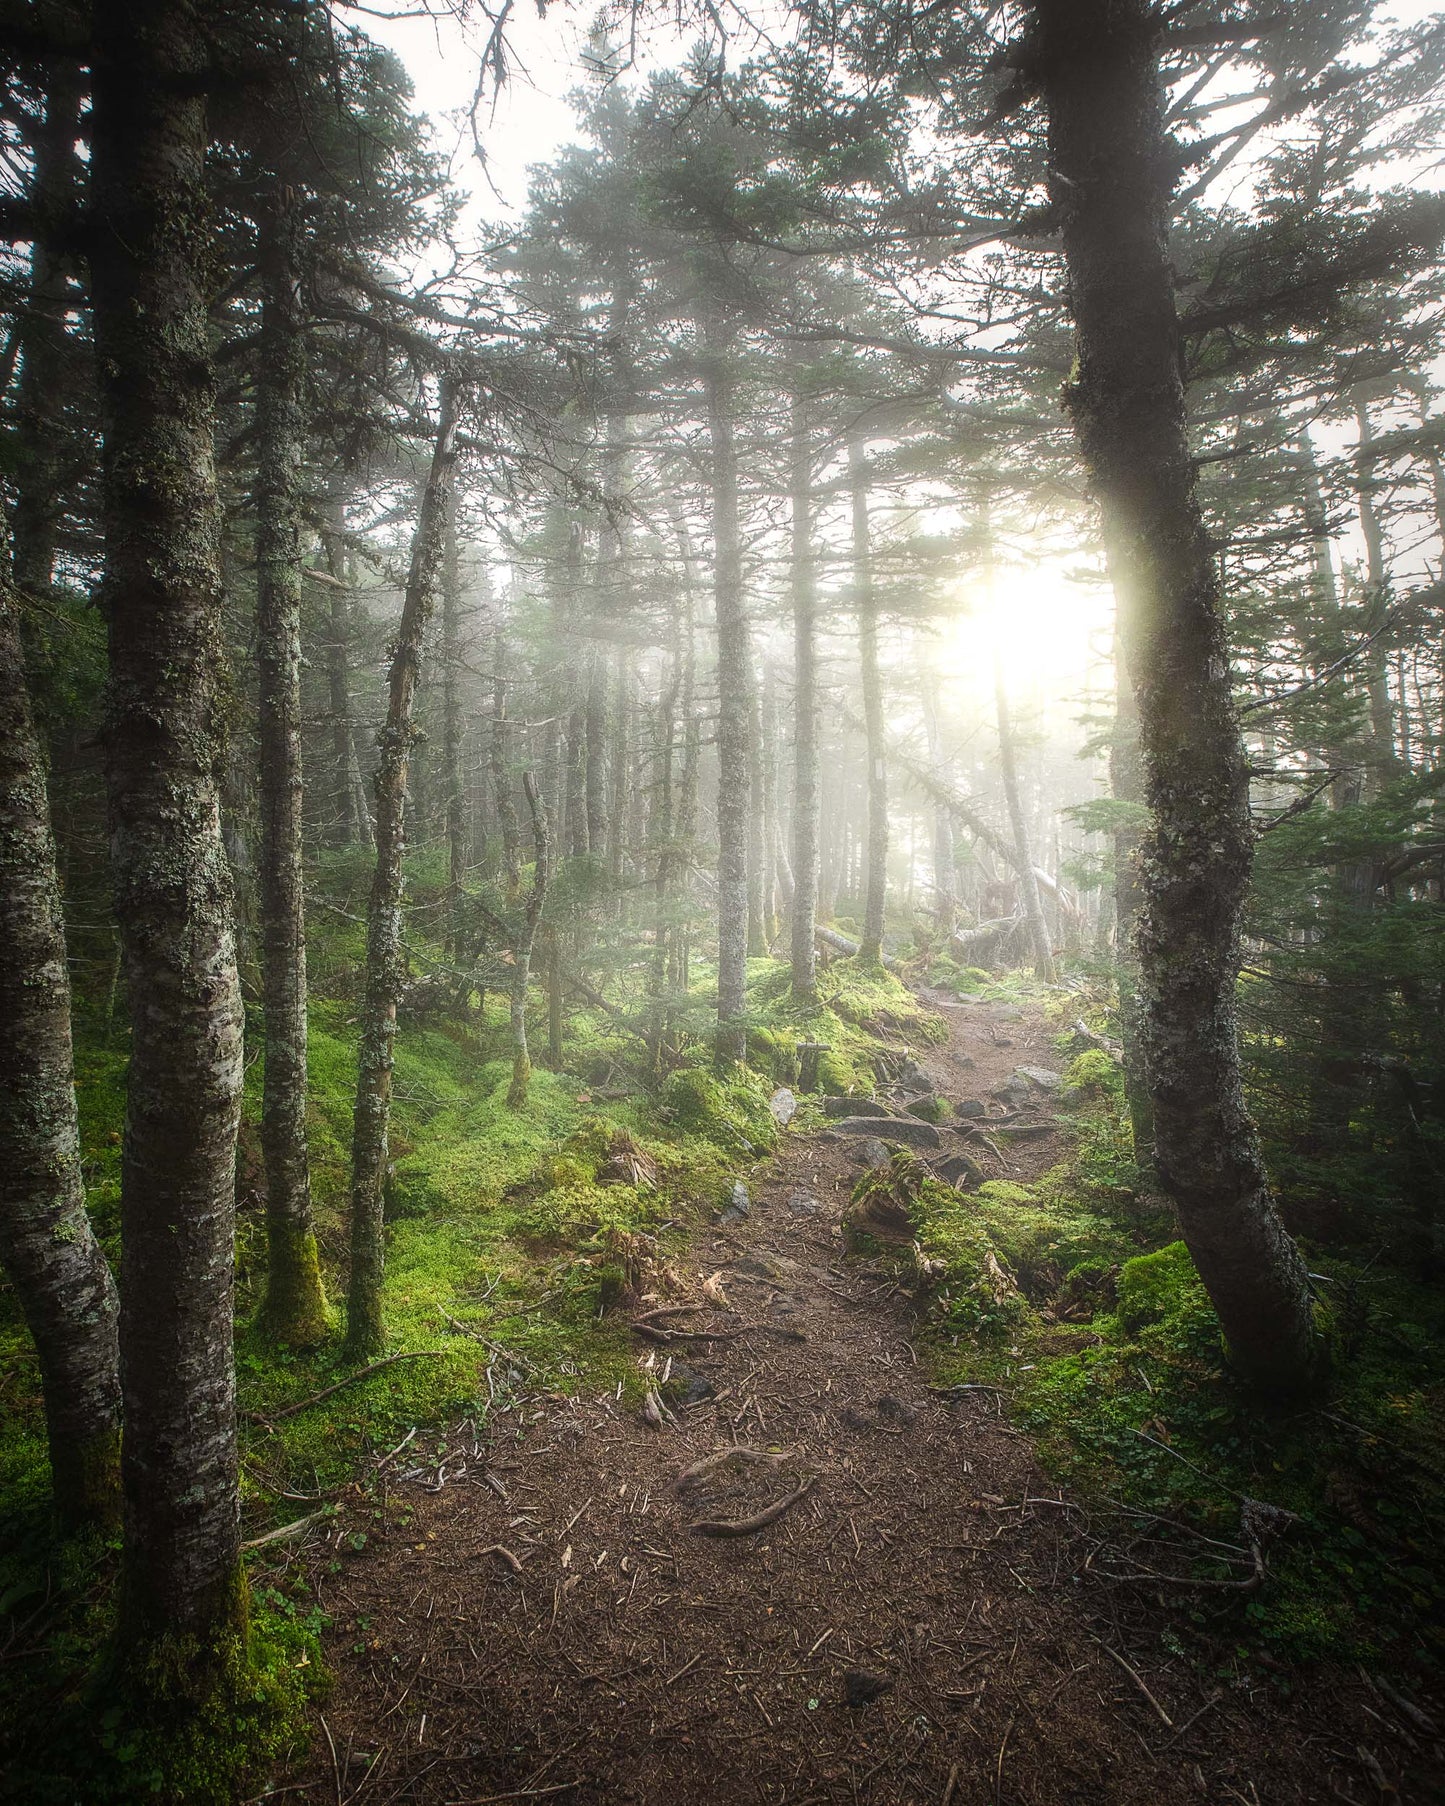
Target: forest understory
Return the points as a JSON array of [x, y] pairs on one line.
[[722, 902], [547, 1605]]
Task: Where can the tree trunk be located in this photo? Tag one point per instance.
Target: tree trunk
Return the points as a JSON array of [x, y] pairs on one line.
[[1126, 785], [875, 879], [734, 685], [944, 883], [757, 820], [352, 821], [452, 724], [1018, 824], [182, 1589], [501, 751], [365, 1329], [522, 948], [294, 1311], [805, 712], [49, 1253], [1097, 61]]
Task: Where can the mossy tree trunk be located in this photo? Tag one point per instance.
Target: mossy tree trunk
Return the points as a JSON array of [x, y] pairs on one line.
[[365, 1326], [875, 871], [294, 1311], [1097, 64], [182, 1591], [734, 717], [47, 1248]]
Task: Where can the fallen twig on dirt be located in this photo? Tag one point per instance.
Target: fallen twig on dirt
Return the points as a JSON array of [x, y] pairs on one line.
[[514, 1562], [1137, 1678], [734, 1454], [759, 1521], [416, 1354], [288, 1530]]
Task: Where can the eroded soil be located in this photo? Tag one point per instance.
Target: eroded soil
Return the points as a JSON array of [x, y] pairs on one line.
[[919, 1625]]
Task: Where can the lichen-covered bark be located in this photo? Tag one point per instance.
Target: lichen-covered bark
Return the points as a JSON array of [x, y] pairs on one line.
[[1097, 64], [365, 1326], [734, 699], [875, 876], [294, 1311], [151, 245], [47, 1249], [804, 587]]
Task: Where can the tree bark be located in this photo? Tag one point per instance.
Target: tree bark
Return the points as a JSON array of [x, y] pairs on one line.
[[875, 878], [1126, 785], [365, 1327], [47, 1248], [452, 724], [294, 1311], [182, 1589], [734, 685], [522, 946], [804, 587], [352, 823], [1097, 62]]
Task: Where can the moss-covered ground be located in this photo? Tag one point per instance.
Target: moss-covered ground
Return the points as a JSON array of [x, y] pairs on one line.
[[509, 1231]]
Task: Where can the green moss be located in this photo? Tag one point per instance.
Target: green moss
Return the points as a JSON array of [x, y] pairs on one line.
[[731, 1113], [1093, 1075], [1152, 1287]]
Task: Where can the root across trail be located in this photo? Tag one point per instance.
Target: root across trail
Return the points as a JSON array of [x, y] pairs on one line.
[[812, 1580]]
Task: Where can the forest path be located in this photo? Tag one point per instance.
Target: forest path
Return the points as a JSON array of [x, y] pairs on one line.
[[929, 1564]]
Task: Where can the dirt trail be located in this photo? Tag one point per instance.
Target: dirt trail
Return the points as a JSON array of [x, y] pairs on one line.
[[929, 1573]]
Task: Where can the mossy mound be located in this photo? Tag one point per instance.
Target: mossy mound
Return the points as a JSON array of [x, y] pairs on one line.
[[730, 1113]]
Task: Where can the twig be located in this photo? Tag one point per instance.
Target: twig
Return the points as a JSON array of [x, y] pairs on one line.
[[759, 1521], [499, 1349], [517, 1793], [276, 1536], [1137, 1678], [416, 1354], [512, 1561]]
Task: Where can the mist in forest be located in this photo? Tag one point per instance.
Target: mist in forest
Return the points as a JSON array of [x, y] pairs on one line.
[[720, 780]]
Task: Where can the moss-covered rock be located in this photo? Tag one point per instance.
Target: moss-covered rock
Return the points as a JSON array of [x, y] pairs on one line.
[[1153, 1287], [1093, 1075], [731, 1114]]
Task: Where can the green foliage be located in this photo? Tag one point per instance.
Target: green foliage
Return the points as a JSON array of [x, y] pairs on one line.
[[1113, 1358]]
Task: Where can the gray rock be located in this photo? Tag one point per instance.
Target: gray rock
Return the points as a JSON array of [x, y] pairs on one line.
[[685, 1387], [1042, 1076], [739, 1204], [971, 1106], [907, 1131], [856, 1106], [958, 1170], [803, 1204], [874, 1155], [783, 1105]]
